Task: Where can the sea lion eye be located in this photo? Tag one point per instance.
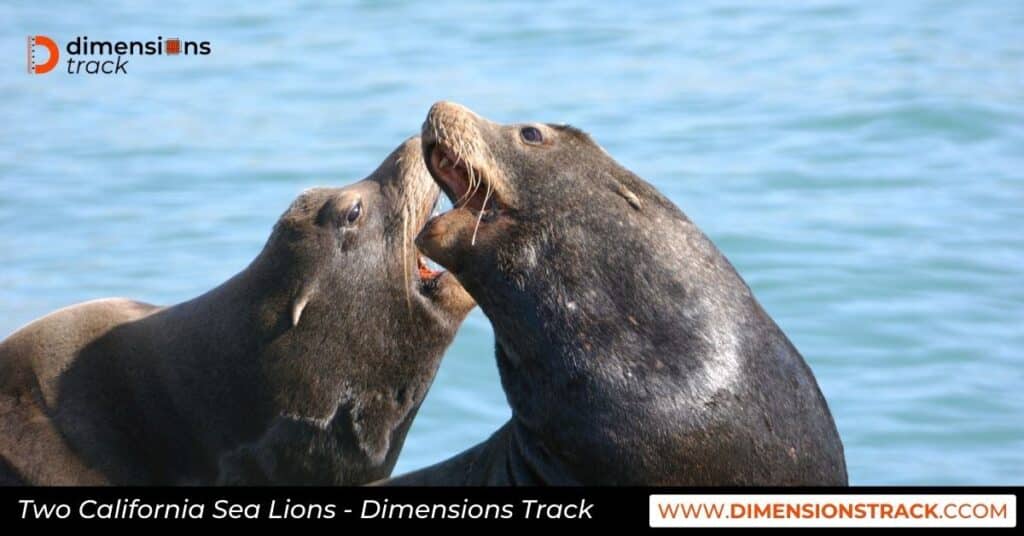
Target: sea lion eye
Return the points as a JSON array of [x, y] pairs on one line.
[[353, 212], [531, 135]]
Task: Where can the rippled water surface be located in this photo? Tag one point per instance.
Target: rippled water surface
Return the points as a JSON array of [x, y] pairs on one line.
[[861, 164]]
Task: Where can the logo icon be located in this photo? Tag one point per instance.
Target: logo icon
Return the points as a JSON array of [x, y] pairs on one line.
[[172, 45], [52, 49]]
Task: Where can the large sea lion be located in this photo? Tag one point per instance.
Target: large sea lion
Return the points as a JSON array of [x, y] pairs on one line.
[[630, 350], [305, 368]]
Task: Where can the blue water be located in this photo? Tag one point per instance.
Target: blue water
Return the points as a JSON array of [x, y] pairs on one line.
[[862, 165]]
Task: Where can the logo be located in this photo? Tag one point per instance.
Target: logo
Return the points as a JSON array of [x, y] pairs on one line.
[[91, 56], [53, 54]]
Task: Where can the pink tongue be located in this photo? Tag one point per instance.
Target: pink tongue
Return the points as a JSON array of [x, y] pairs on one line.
[[425, 272]]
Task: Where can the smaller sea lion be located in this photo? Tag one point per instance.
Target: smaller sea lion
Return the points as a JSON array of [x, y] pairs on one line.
[[305, 368]]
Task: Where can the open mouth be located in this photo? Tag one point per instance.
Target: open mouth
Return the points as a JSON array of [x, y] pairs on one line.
[[427, 270], [465, 185]]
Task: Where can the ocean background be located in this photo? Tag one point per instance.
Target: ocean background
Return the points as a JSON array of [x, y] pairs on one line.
[[861, 164]]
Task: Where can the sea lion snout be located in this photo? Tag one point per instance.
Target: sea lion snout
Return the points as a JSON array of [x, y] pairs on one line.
[[455, 128], [442, 238], [457, 151], [446, 118]]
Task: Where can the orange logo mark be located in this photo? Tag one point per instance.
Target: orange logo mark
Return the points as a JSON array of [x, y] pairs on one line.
[[173, 45], [52, 49]]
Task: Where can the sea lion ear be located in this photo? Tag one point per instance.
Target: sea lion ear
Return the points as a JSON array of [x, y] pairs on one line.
[[299, 304], [297, 308], [628, 194]]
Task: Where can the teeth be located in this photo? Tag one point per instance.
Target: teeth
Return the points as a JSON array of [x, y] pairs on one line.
[[434, 267], [445, 162]]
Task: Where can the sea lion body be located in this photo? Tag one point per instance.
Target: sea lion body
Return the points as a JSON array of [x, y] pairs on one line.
[[630, 350], [305, 368]]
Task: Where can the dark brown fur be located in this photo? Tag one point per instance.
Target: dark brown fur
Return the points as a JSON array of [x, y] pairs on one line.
[[228, 387], [630, 350]]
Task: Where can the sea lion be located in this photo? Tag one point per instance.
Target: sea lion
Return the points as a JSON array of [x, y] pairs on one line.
[[305, 368], [630, 350]]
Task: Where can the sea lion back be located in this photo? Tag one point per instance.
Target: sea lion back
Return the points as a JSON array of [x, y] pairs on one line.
[[32, 448]]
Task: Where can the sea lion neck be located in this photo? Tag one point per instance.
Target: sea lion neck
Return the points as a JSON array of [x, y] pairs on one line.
[[251, 307], [221, 337], [580, 340]]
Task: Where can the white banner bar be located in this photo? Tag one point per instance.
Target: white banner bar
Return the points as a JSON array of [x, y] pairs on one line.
[[867, 510]]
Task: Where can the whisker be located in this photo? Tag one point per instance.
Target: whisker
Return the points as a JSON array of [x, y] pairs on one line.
[[474, 183], [480, 216], [405, 256]]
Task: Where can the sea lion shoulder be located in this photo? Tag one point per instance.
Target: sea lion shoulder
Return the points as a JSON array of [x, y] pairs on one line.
[[36, 353]]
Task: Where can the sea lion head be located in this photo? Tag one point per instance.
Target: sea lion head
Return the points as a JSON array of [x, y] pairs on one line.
[[361, 322], [572, 257], [357, 240], [519, 190]]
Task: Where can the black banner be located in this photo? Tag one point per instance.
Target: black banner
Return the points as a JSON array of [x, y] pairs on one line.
[[571, 508]]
